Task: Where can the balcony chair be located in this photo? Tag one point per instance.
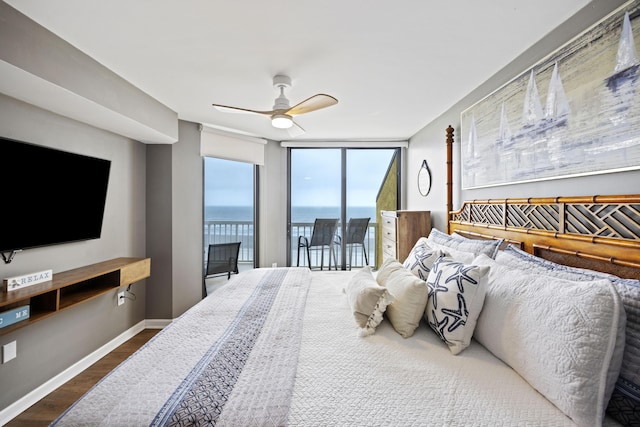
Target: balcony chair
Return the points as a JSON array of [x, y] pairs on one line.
[[223, 258], [356, 231], [324, 231]]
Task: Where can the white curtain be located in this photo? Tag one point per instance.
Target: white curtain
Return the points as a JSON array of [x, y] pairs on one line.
[[226, 145]]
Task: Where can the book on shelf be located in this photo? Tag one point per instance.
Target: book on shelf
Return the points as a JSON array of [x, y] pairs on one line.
[[14, 315]]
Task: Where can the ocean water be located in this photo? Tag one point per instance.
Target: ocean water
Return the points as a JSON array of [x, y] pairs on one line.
[[228, 213], [298, 214]]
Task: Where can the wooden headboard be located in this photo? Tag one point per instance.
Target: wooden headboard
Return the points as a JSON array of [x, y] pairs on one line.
[[597, 232]]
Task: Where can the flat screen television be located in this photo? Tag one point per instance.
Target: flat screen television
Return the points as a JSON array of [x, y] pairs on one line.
[[49, 196]]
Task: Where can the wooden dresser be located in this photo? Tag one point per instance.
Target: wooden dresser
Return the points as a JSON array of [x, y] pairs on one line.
[[400, 230]]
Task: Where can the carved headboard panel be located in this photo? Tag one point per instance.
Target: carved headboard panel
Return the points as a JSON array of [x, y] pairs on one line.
[[596, 232]]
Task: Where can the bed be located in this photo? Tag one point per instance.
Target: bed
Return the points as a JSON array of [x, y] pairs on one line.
[[290, 346], [525, 312]]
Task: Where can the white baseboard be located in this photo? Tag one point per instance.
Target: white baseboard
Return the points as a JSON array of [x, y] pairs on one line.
[[156, 323], [22, 404]]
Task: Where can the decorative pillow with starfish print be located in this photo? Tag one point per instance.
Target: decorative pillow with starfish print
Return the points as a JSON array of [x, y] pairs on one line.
[[421, 258], [456, 296]]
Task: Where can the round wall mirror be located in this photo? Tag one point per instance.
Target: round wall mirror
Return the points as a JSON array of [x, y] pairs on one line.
[[424, 179]]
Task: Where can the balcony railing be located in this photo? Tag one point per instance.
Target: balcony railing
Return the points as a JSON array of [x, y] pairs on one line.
[[306, 228], [242, 231], [230, 231]]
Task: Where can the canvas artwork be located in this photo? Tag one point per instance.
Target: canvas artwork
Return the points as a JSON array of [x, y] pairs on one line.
[[574, 113]]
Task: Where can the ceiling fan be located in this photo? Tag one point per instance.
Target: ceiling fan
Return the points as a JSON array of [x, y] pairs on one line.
[[282, 113]]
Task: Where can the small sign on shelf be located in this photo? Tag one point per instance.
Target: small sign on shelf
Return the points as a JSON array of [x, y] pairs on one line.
[[14, 315], [20, 282]]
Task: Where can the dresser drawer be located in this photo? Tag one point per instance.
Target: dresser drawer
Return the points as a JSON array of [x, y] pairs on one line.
[[388, 249], [389, 230]]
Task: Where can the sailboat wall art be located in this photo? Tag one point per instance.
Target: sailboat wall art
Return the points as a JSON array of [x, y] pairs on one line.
[[575, 113]]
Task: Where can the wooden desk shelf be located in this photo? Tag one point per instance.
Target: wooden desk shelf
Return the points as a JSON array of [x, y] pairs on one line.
[[72, 287]]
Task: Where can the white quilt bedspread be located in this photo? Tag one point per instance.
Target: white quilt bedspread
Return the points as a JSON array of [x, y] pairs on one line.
[[387, 380], [341, 379], [229, 360]]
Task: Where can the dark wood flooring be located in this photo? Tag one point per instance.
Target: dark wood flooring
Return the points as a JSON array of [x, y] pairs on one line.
[[50, 407]]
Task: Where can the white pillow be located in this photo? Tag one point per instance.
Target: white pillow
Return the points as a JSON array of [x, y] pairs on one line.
[[421, 258], [409, 296], [460, 256], [623, 384], [461, 243], [456, 295], [557, 334], [367, 300]]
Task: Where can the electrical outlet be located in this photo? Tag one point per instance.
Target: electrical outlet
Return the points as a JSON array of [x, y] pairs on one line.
[[9, 351], [275, 264], [121, 297]]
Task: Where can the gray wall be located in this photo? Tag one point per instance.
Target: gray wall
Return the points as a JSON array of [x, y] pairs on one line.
[[273, 206], [46, 348], [174, 224], [429, 143], [159, 245], [187, 210]]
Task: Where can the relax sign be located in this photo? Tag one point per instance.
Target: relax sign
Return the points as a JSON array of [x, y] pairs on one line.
[[19, 282]]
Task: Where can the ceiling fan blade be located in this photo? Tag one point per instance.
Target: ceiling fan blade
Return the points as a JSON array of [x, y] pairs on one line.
[[295, 130], [314, 103], [228, 109]]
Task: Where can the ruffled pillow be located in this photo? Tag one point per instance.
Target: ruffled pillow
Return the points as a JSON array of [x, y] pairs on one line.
[[456, 296], [368, 300]]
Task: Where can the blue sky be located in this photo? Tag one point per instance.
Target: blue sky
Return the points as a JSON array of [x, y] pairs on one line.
[[315, 178], [228, 183]]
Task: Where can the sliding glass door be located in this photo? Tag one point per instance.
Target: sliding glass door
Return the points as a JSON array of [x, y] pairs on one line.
[[229, 206], [315, 184], [339, 183], [366, 172]]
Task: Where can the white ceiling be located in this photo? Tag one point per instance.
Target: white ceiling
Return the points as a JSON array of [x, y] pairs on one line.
[[393, 65]]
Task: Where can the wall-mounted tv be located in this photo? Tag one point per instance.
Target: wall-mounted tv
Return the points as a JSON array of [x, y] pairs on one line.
[[49, 196]]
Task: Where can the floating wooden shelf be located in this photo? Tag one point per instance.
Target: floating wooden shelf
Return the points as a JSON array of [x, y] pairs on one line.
[[73, 287]]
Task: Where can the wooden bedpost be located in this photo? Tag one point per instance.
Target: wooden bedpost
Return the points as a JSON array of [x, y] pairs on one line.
[[449, 174]]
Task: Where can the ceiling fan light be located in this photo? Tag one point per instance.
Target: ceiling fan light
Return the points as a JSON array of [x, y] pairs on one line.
[[281, 121]]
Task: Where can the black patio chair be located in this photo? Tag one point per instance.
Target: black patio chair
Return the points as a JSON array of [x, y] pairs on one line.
[[223, 258], [324, 231], [355, 233]]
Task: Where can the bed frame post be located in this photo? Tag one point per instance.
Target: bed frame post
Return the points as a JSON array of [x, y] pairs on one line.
[[449, 174]]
